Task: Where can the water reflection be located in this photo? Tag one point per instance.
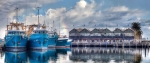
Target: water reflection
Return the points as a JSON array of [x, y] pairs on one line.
[[61, 55], [61, 51], [15, 57], [106, 55], [38, 56], [46, 56], [89, 55], [52, 55]]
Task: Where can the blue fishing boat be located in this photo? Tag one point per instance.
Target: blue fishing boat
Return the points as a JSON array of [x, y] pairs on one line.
[[38, 56], [53, 37], [61, 43], [68, 43], [39, 37], [15, 35], [15, 57], [15, 38]]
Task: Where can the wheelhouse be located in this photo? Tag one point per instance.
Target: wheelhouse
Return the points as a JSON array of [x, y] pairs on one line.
[[16, 32], [40, 31], [52, 34]]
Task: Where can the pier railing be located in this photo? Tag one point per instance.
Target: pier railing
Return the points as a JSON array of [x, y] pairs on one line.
[[113, 44]]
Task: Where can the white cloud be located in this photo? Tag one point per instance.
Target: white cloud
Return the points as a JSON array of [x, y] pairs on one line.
[[118, 9], [89, 14], [82, 4]]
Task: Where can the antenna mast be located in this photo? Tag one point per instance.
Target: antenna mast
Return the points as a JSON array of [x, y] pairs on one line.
[[59, 28], [16, 14], [53, 23], [38, 14]]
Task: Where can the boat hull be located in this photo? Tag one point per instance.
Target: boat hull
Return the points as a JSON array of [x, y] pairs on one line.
[[61, 43], [38, 41], [52, 42], [16, 41], [68, 43]]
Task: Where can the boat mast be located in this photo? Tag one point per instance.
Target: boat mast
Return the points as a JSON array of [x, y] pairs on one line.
[[38, 25], [16, 25], [59, 28], [38, 15], [16, 14], [53, 25]]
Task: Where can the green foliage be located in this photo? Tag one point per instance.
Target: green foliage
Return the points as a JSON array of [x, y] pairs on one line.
[[137, 30], [136, 26]]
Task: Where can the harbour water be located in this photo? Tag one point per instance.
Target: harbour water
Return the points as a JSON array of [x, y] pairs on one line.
[[78, 55]]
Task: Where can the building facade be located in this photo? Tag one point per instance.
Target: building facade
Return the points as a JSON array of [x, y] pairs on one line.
[[101, 35]]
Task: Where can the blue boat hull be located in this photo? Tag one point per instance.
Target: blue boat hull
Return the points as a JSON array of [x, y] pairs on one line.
[[38, 41], [15, 57], [68, 44], [61, 43], [15, 41], [52, 42]]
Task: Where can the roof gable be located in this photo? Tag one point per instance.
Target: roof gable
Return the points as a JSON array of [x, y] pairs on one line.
[[80, 29], [106, 31], [95, 31], [101, 30], [84, 31], [74, 31], [128, 31], [117, 30]]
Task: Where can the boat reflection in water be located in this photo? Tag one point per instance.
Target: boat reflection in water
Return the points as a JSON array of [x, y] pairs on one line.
[[61, 55], [45, 56], [106, 55], [15, 57], [52, 54], [38, 56], [61, 51], [81, 55]]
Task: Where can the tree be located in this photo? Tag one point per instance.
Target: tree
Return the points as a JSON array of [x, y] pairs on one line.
[[137, 30]]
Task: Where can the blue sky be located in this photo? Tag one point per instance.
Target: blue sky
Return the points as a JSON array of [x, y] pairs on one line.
[[78, 13]]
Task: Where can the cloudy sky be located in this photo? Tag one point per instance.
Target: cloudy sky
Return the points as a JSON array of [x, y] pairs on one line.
[[91, 13]]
